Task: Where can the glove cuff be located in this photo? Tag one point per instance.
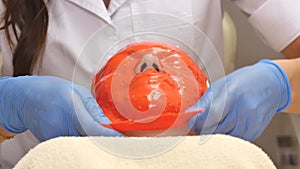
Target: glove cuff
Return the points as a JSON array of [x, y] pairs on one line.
[[5, 115], [285, 87]]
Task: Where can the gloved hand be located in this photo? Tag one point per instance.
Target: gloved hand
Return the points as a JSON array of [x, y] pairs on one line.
[[49, 107], [243, 103]]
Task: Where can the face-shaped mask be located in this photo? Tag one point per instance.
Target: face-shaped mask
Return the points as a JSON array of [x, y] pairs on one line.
[[148, 86]]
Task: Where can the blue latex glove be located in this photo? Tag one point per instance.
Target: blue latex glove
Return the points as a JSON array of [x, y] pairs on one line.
[[243, 103], [49, 107]]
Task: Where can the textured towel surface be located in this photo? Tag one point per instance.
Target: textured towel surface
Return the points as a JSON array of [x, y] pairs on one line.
[[191, 152]]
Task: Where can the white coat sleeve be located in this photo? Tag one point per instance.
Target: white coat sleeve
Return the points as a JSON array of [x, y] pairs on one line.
[[276, 21]]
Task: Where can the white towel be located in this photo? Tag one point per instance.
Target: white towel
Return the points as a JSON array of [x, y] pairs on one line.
[[191, 152]]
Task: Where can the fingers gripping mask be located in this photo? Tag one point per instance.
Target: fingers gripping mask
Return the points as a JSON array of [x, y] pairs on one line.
[[148, 86]]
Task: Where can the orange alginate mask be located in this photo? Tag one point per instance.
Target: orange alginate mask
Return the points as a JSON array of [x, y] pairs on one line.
[[149, 86]]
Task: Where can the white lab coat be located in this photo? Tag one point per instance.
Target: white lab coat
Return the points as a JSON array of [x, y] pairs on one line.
[[73, 22]]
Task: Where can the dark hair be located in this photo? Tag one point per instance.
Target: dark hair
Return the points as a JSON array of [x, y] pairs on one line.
[[25, 23]]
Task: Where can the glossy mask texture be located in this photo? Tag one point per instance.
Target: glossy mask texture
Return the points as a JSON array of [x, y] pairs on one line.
[[148, 86]]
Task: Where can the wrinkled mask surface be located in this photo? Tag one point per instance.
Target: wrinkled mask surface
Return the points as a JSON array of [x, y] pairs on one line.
[[148, 86]]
